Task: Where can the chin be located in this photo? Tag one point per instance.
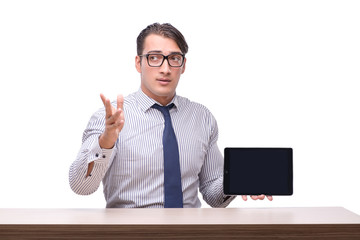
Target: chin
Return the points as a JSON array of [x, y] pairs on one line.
[[159, 91], [164, 92]]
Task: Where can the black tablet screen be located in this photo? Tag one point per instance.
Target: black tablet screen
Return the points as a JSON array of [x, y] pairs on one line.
[[254, 171]]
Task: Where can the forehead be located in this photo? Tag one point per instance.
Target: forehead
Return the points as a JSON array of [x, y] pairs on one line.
[[155, 42]]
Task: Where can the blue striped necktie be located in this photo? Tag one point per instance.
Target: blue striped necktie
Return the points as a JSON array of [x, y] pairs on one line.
[[172, 176]]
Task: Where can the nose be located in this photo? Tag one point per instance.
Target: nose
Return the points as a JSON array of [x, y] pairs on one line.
[[165, 67]]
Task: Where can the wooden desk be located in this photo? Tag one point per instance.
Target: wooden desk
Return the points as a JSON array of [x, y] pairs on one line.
[[205, 223]]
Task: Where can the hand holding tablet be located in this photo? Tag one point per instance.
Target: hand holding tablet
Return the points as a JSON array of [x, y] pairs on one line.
[[257, 197], [258, 172]]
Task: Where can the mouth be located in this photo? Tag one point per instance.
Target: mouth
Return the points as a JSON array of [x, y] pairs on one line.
[[163, 81]]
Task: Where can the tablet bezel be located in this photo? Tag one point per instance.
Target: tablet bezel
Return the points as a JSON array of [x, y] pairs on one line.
[[226, 181]]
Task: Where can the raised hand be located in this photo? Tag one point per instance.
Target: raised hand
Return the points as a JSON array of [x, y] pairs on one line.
[[114, 122]]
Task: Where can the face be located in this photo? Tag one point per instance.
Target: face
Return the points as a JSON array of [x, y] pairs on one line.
[[159, 83]]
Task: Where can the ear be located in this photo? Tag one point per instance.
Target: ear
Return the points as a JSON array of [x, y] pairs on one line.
[[138, 63], [183, 67]]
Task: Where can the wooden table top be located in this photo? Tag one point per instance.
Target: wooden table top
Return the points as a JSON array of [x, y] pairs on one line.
[[300, 215]]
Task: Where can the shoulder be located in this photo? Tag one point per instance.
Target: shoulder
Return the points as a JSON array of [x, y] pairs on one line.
[[187, 103], [195, 108], [198, 115], [130, 99]]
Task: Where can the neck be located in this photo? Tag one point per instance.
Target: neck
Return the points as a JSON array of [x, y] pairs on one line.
[[163, 100]]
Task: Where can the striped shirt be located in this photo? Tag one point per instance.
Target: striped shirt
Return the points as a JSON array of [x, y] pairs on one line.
[[132, 171]]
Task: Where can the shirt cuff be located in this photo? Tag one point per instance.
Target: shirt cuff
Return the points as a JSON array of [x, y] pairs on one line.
[[98, 154], [228, 199]]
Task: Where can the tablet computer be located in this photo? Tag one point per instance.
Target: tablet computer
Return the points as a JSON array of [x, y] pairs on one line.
[[256, 171]]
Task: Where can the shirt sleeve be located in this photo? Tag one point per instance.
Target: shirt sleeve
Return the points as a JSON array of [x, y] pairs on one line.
[[91, 151], [211, 175]]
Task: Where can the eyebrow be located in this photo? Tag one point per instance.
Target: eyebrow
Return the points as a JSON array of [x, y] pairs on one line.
[[158, 51]]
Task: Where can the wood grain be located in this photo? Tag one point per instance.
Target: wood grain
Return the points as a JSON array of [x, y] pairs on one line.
[[267, 223], [268, 231]]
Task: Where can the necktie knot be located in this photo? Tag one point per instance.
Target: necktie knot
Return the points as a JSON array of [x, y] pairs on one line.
[[165, 110]]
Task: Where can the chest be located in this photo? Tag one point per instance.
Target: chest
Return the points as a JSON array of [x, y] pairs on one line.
[[140, 146]]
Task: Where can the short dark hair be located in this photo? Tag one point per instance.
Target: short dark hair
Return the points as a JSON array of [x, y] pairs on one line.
[[165, 30]]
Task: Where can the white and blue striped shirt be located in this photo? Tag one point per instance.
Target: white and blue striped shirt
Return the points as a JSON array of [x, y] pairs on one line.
[[132, 172]]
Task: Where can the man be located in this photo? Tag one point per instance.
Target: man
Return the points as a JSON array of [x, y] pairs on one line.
[[153, 148]]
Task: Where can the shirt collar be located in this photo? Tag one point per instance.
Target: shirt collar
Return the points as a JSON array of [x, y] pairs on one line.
[[145, 102]]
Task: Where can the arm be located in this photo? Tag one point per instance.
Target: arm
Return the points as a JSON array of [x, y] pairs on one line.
[[211, 175], [98, 148]]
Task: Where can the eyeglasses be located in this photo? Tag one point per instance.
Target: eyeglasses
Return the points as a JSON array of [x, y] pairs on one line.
[[157, 59]]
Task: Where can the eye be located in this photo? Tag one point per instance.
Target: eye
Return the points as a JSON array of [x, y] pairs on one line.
[[154, 57], [175, 57]]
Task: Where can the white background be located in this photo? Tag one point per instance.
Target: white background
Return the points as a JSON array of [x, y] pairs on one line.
[[274, 74]]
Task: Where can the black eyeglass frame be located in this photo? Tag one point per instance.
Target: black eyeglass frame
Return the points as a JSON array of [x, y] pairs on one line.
[[164, 57]]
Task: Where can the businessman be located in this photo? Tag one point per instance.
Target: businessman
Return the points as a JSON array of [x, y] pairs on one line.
[[153, 148]]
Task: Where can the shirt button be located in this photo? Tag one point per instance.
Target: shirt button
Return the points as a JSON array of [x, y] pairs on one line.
[[96, 155], [104, 156]]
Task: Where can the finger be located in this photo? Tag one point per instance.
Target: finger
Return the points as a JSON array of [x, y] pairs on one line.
[[122, 117], [269, 197], [107, 105], [119, 124], [254, 197], [114, 117], [120, 102], [261, 197], [116, 126], [103, 98], [244, 197]]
